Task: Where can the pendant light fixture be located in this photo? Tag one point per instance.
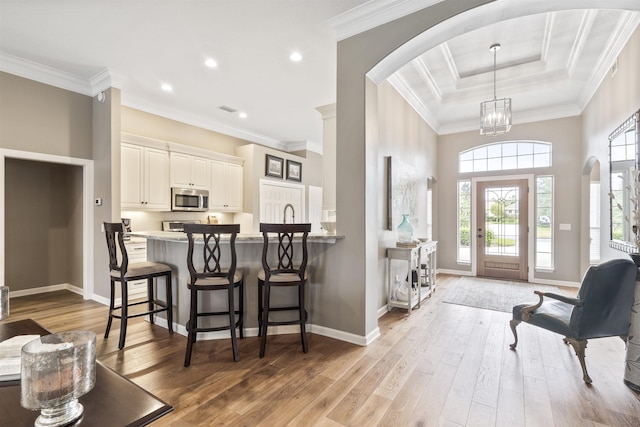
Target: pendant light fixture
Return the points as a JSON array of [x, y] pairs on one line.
[[495, 115]]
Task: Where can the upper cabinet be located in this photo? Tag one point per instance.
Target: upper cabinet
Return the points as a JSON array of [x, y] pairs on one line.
[[151, 167], [225, 194], [144, 182], [189, 171]]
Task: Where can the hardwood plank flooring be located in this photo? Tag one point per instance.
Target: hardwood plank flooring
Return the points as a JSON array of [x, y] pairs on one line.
[[443, 365]]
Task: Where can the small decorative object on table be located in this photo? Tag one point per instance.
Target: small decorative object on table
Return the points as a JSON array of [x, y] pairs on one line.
[[56, 370], [405, 230]]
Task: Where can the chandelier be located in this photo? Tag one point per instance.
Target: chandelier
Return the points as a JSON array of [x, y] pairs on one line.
[[495, 115]]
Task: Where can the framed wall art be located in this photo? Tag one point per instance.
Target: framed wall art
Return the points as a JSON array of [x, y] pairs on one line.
[[274, 166], [294, 171]]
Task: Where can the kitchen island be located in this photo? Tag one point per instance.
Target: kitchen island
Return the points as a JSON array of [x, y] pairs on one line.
[[171, 248]]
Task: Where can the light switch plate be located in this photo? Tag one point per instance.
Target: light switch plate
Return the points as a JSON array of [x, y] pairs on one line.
[[565, 227]]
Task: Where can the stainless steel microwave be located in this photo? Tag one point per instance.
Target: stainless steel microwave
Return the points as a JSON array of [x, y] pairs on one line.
[[190, 200]]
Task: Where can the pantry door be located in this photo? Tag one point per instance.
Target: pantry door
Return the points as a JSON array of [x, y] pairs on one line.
[[274, 196], [501, 229]]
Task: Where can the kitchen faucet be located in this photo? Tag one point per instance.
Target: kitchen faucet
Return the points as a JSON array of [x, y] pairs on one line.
[[293, 214]]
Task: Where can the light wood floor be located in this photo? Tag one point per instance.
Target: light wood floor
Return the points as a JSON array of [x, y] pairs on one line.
[[444, 365]]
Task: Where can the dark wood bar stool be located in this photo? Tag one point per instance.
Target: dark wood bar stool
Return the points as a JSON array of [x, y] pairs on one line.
[[124, 273], [211, 276], [289, 271]]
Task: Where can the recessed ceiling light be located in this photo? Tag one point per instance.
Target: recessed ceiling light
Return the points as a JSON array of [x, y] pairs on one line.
[[167, 87], [211, 63], [242, 115], [295, 57]]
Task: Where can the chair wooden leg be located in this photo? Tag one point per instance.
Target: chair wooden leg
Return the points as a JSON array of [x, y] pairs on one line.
[[241, 308], [260, 306], [265, 320], [232, 324], [513, 323], [303, 318], [111, 306], [192, 324], [151, 298], [169, 301], [579, 347], [124, 313]]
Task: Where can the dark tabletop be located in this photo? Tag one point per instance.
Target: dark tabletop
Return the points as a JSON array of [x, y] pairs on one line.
[[114, 401]]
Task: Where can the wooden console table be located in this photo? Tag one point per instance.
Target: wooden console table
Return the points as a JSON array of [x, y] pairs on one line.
[[423, 254], [114, 401]]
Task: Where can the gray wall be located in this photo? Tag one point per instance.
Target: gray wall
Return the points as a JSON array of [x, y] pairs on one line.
[[43, 205], [44, 119], [356, 276], [615, 100], [566, 138], [401, 134], [106, 155]]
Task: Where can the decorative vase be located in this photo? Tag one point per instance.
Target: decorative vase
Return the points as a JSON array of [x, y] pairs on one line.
[[405, 230], [56, 370]]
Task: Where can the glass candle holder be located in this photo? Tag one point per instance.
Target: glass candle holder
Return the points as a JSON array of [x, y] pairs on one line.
[[4, 302], [56, 370]]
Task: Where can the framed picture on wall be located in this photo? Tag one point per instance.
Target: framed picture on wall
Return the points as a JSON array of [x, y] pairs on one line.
[[294, 171], [274, 166]]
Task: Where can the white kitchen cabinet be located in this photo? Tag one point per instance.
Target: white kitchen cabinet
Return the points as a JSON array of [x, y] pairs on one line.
[[137, 252], [225, 194], [189, 171], [144, 178]]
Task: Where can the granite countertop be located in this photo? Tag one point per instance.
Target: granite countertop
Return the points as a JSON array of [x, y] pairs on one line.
[[176, 236]]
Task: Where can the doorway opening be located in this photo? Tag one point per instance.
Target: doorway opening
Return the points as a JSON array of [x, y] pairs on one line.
[[76, 175]]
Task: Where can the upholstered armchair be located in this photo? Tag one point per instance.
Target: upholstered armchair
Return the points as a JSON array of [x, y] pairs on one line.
[[601, 309]]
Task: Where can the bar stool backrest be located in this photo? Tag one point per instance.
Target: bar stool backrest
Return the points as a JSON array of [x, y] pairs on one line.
[[212, 265], [114, 233], [286, 253]]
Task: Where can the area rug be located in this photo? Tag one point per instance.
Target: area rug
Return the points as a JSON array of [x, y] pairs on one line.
[[498, 295]]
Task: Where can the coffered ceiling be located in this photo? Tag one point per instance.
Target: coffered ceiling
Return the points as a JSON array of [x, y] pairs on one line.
[[549, 64]]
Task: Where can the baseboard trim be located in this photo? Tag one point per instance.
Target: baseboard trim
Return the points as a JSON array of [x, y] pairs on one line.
[[535, 279], [455, 272], [46, 289], [555, 283], [281, 330]]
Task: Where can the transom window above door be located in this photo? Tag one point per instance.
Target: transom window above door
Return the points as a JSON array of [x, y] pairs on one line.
[[505, 156]]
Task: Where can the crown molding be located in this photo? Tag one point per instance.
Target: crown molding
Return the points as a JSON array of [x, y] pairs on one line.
[[529, 116], [108, 78], [403, 88], [623, 33], [201, 122], [43, 74], [105, 79], [327, 111], [374, 13], [588, 18], [293, 146]]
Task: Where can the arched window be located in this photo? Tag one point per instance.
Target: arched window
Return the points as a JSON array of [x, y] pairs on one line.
[[505, 156]]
